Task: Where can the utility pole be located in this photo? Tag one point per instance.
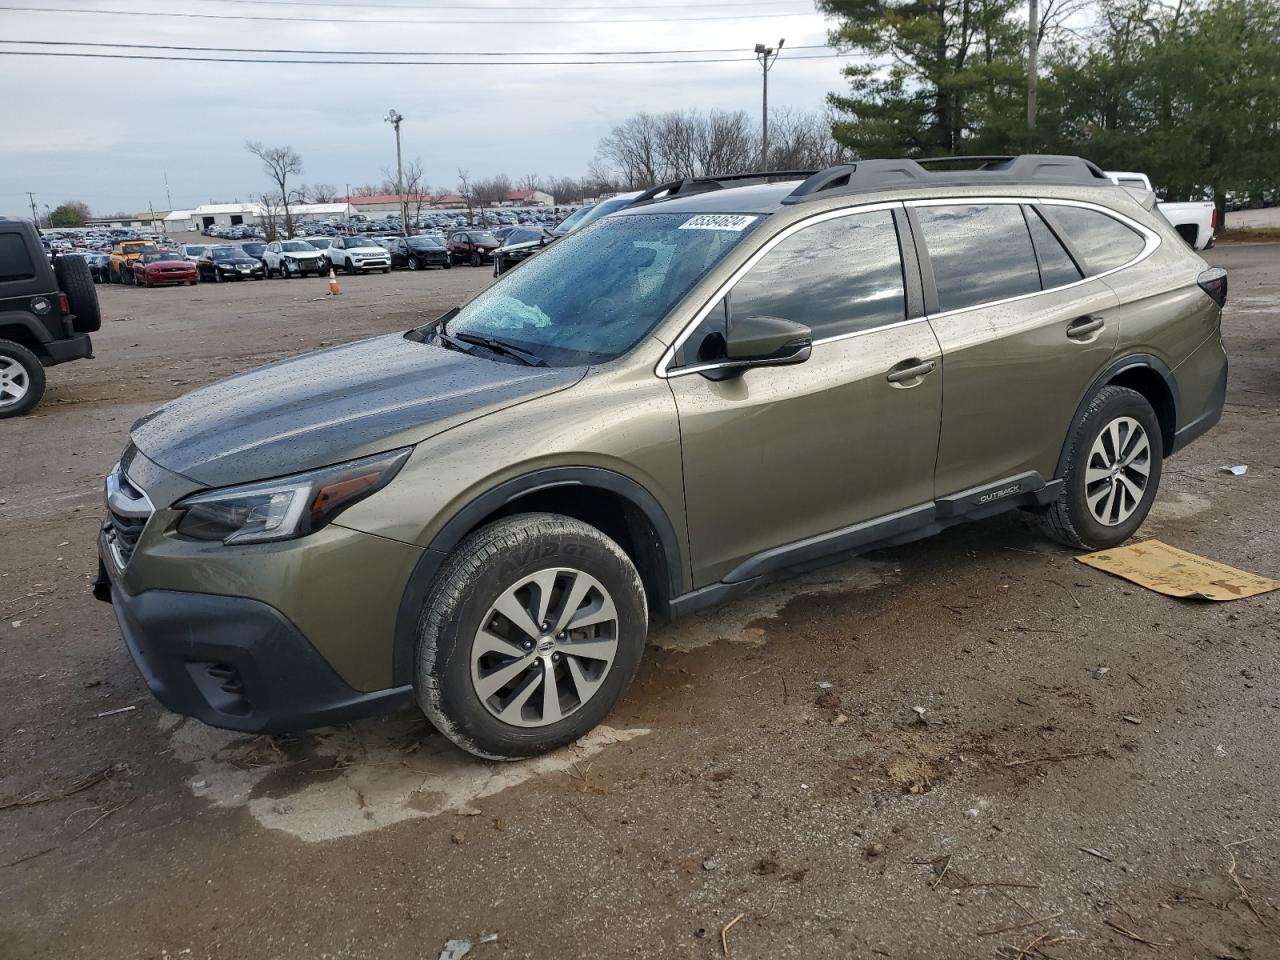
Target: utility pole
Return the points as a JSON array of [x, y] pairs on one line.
[[35, 217], [394, 119], [1033, 60], [766, 56], [167, 195]]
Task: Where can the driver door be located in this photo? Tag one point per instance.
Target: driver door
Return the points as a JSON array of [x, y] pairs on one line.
[[776, 456]]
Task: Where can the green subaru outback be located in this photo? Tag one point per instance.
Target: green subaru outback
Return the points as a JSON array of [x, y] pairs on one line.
[[730, 379]]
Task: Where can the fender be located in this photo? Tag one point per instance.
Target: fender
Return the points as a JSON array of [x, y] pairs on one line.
[[466, 519], [27, 321], [1114, 369]]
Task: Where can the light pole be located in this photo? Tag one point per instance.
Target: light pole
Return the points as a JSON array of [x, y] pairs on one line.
[[394, 119], [766, 56]]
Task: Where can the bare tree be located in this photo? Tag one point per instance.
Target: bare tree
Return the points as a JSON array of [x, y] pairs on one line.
[[530, 181], [281, 163], [416, 191], [493, 190], [270, 203], [318, 193], [464, 188]]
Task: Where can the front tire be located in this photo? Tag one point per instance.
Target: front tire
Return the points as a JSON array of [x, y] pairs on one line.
[[21, 379], [531, 634], [1112, 472]]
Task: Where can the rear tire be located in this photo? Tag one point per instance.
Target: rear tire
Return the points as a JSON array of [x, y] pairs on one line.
[[1112, 473], [22, 380], [75, 279], [466, 644]]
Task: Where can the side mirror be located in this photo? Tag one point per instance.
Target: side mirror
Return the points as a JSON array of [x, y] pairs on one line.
[[767, 342]]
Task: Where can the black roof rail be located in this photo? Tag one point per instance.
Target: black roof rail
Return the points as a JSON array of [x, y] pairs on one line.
[[868, 176], [688, 186]]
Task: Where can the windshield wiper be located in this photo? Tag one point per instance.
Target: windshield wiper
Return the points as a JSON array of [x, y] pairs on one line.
[[498, 346]]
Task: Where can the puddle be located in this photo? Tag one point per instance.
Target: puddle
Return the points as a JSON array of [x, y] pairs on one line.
[[739, 622], [348, 780]]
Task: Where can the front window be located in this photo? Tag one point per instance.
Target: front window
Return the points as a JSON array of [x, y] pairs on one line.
[[296, 246], [160, 257], [224, 253], [425, 243], [592, 296], [483, 238]]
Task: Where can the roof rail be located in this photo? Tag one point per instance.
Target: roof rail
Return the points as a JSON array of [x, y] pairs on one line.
[[868, 176], [688, 186]]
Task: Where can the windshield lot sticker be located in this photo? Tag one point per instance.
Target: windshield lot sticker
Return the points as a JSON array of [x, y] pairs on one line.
[[718, 221]]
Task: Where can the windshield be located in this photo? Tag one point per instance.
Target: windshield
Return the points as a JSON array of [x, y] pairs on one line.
[[296, 246], [224, 253], [592, 296], [139, 248], [589, 215], [193, 251], [158, 257], [424, 243], [482, 237], [523, 236], [320, 243]]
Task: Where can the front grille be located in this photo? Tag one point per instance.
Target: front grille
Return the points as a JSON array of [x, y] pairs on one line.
[[128, 510]]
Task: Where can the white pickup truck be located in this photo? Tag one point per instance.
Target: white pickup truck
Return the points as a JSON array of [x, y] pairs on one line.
[[1196, 220]]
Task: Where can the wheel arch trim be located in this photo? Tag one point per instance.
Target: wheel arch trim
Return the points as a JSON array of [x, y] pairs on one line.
[[1118, 367], [495, 498]]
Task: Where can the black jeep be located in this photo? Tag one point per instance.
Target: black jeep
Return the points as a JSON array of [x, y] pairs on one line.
[[47, 311]]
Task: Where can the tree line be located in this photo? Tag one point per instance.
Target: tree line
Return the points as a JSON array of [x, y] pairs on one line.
[[1187, 91]]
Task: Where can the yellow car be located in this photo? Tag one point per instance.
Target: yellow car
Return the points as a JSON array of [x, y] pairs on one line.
[[123, 256]]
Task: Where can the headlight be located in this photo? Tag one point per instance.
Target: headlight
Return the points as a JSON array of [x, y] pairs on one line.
[[289, 507]]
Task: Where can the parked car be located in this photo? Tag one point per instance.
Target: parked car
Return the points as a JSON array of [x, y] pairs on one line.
[[414, 253], [472, 246], [358, 254], [321, 243], [229, 263], [99, 264], [519, 244], [255, 249], [193, 251], [293, 258], [1196, 221], [120, 268], [659, 412], [47, 311], [158, 269]]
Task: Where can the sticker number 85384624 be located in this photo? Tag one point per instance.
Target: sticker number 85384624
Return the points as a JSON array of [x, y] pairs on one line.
[[736, 222]]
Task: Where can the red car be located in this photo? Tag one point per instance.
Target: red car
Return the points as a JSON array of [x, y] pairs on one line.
[[154, 269], [472, 246]]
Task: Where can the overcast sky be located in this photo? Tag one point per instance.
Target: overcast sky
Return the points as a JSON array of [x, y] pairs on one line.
[[104, 131]]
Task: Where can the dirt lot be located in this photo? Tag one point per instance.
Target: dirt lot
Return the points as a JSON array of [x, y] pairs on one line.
[[1096, 771]]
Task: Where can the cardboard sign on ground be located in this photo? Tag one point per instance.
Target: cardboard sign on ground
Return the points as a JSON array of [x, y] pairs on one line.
[[1176, 573]]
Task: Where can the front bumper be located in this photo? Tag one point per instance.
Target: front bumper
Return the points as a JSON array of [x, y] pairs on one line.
[[235, 663], [258, 271], [380, 263]]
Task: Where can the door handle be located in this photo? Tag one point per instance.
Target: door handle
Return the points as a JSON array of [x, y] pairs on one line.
[[1084, 327], [912, 369]]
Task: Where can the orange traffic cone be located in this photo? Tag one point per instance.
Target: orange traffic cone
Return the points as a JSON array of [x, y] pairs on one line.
[[333, 284]]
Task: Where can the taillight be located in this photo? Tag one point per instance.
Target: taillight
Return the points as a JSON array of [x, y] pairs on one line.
[[64, 306], [1213, 219], [1214, 282]]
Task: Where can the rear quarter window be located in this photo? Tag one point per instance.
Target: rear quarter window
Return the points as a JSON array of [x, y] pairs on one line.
[[15, 259], [1102, 241]]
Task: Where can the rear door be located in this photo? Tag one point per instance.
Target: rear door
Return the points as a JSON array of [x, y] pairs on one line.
[[1023, 333], [783, 460]]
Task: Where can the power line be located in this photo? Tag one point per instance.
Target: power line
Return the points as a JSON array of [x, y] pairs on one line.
[[407, 63], [390, 53], [361, 20], [540, 6]]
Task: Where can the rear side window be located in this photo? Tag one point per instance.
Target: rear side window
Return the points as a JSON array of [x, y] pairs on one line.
[[839, 276], [1057, 269], [15, 261], [1104, 242], [979, 252]]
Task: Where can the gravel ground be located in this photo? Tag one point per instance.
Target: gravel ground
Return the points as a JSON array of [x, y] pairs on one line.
[[1095, 771]]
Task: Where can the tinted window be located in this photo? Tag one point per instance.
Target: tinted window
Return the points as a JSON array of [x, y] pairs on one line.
[[979, 253], [838, 276], [15, 262], [1056, 266], [1104, 242]]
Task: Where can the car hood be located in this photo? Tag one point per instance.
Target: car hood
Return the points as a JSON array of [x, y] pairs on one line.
[[300, 254], [367, 251], [234, 261], [333, 405]]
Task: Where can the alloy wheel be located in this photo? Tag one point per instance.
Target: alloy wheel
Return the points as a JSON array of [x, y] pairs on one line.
[[545, 647], [1117, 471], [14, 382]]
